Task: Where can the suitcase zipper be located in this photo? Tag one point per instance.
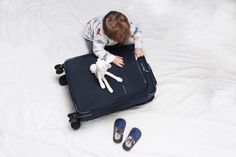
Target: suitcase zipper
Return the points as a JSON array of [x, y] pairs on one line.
[[141, 72], [124, 89], [143, 67]]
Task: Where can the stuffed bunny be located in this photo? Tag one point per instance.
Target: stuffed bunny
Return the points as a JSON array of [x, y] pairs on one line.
[[100, 70]]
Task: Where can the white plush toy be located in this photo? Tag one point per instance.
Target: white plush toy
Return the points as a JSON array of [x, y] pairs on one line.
[[100, 70]]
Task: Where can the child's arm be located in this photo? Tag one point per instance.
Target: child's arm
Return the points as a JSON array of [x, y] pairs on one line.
[[98, 49], [137, 37]]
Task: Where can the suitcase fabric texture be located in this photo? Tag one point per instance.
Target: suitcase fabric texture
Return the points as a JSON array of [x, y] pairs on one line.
[[90, 101]]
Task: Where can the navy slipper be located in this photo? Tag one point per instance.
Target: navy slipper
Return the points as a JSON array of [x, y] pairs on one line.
[[132, 138], [119, 127]]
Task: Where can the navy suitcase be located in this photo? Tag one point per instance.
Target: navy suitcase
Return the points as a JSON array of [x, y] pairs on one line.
[[90, 101]]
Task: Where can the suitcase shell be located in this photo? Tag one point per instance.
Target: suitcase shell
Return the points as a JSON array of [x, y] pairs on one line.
[[90, 101]]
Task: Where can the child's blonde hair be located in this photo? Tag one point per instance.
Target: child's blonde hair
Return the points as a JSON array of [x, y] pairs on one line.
[[116, 26]]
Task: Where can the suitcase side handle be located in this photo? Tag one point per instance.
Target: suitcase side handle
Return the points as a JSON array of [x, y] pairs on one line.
[[146, 68]]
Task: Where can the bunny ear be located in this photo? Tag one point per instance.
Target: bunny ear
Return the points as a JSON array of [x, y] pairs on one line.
[[108, 65]]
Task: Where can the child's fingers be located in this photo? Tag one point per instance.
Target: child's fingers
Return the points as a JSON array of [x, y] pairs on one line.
[[121, 64], [139, 55], [121, 61]]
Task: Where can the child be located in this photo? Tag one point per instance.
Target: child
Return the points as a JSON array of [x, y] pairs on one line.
[[113, 28]]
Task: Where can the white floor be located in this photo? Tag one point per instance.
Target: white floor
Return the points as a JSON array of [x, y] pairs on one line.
[[190, 44]]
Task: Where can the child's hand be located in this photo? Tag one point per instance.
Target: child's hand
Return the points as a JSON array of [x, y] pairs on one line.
[[119, 61], [138, 52]]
